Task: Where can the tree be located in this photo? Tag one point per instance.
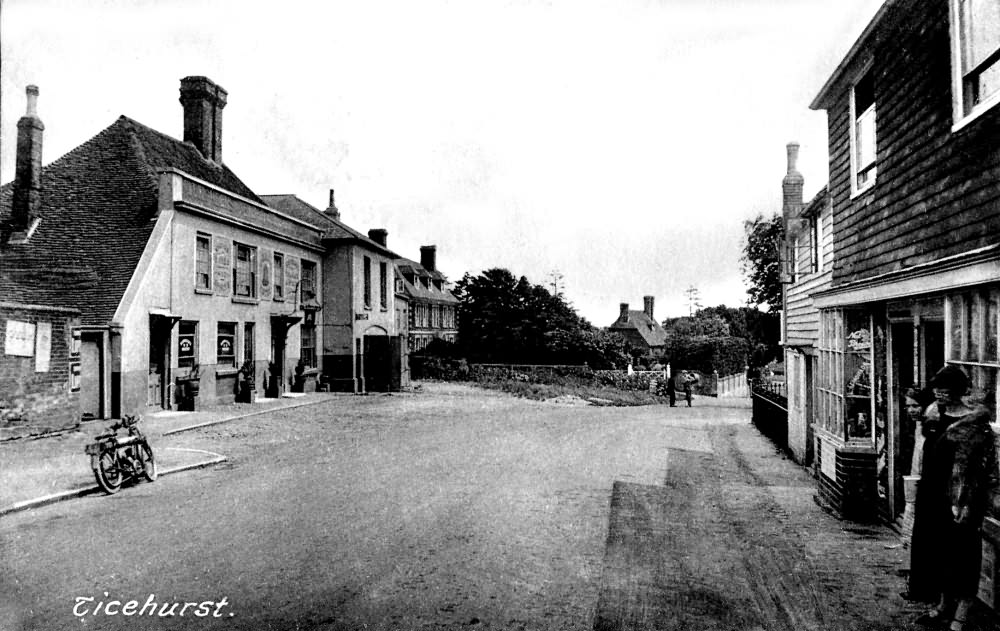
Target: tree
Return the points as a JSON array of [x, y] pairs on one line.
[[762, 261]]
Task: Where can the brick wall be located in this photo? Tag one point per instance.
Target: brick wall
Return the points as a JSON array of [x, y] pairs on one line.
[[33, 402]]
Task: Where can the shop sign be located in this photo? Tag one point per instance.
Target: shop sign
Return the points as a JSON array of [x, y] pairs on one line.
[[20, 338]]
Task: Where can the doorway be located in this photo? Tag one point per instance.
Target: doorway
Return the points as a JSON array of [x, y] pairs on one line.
[[159, 363], [377, 363], [276, 380]]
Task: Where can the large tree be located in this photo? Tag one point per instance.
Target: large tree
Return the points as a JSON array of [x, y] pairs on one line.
[[762, 260], [505, 319]]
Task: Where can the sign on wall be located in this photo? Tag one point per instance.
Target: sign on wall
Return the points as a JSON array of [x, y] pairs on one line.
[[20, 338], [222, 269], [43, 346]]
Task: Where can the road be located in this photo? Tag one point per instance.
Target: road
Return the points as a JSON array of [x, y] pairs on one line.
[[453, 509]]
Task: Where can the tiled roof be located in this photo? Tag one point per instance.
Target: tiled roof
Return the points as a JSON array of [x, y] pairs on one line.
[[650, 330], [334, 230], [98, 209], [405, 267]]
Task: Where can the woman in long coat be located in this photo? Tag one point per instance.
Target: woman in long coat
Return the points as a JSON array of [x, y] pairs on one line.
[[959, 481], [924, 550]]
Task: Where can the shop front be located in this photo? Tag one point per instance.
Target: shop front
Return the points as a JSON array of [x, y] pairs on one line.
[[869, 354]]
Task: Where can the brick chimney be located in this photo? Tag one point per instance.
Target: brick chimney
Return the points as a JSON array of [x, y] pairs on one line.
[[203, 101], [331, 210], [28, 165], [647, 306], [623, 314], [428, 257], [791, 185], [378, 235]]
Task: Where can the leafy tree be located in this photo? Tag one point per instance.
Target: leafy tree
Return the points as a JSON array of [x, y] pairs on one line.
[[504, 319], [761, 260]]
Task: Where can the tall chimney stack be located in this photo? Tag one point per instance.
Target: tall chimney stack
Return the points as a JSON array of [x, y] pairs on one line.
[[428, 257], [331, 210], [378, 235], [203, 101], [28, 165], [791, 185], [623, 313], [647, 306]]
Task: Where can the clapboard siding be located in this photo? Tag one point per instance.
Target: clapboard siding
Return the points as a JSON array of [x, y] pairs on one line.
[[937, 192], [801, 317]]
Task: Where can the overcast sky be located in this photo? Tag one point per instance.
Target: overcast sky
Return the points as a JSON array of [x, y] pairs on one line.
[[622, 142]]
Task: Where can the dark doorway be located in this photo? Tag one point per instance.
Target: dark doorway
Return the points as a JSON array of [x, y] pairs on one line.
[[276, 378], [903, 431], [377, 363], [931, 348], [159, 362]]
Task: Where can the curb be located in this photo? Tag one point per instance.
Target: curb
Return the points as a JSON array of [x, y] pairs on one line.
[[188, 428], [89, 490]]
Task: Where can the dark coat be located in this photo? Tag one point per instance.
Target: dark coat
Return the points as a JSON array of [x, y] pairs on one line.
[[959, 473]]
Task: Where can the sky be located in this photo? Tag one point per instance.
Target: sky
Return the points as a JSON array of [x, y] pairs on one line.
[[619, 143]]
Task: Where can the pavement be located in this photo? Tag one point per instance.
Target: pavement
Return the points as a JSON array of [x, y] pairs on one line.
[[39, 471]]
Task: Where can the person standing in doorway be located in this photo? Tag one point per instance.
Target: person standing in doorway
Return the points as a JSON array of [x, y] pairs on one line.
[[959, 476], [924, 550]]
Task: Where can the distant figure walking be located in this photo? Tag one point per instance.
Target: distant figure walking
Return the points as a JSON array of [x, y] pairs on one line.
[[672, 391], [688, 381]]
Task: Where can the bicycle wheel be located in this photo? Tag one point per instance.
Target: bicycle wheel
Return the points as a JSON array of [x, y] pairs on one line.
[[145, 455], [108, 473]]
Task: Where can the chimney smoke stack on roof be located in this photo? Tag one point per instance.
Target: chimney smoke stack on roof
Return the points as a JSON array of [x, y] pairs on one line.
[[27, 193]]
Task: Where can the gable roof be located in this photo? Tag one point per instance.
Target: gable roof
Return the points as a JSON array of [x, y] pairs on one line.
[[649, 329], [406, 267], [334, 230], [98, 208]]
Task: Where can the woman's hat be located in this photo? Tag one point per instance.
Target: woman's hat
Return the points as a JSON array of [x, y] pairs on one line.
[[950, 378]]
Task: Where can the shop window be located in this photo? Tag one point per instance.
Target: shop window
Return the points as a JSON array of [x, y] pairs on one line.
[[863, 133], [279, 276], [203, 262], [975, 56], [308, 282], [972, 319], [187, 344], [830, 388], [225, 351], [245, 271]]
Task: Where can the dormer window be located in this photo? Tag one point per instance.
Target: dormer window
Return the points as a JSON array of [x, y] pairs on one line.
[[863, 137], [975, 45]]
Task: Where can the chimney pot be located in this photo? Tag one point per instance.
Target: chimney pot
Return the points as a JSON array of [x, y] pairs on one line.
[[428, 257], [331, 210], [27, 193], [791, 185], [648, 306], [378, 235], [203, 101], [623, 313]]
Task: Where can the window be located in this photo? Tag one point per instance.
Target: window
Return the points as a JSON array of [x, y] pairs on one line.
[[74, 377], [972, 320], [795, 259], [225, 351], [203, 262], [830, 392], [975, 44], [279, 276], [383, 278], [368, 283], [187, 344], [308, 336], [863, 133], [245, 271], [308, 281], [815, 243]]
